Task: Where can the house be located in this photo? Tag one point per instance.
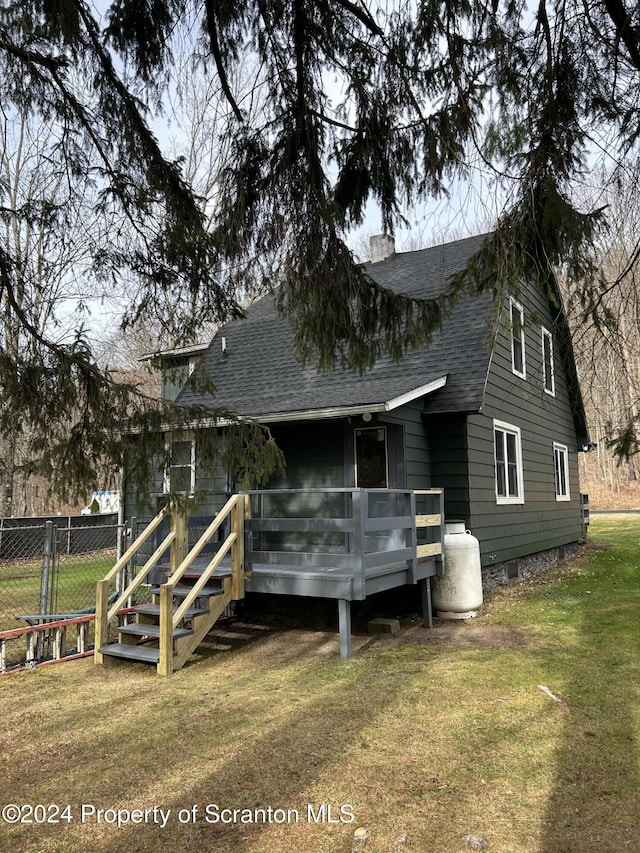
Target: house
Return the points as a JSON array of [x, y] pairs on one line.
[[490, 412]]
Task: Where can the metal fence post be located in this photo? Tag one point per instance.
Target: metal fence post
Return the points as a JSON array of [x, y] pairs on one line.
[[54, 571], [47, 558]]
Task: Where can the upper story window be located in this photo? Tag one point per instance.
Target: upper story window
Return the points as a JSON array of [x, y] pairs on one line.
[[516, 317], [561, 468], [548, 377], [508, 460]]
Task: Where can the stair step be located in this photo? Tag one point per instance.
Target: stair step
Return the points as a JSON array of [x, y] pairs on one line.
[[183, 591], [154, 610], [143, 654], [139, 629], [197, 571]]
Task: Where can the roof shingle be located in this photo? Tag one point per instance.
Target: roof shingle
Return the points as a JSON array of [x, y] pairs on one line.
[[258, 376]]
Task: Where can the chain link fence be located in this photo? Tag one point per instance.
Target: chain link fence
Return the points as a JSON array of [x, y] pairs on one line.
[[51, 566]]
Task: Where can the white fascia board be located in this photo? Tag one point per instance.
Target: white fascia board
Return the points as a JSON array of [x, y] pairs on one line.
[[319, 414], [193, 349], [279, 417], [410, 396]]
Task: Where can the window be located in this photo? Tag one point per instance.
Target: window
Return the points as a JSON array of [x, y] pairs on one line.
[[548, 377], [508, 459], [516, 316], [180, 475], [561, 468], [371, 458]]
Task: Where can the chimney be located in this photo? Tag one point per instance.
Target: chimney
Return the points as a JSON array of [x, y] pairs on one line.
[[381, 247]]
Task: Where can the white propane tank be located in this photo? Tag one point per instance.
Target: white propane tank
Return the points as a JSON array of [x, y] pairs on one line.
[[458, 593]]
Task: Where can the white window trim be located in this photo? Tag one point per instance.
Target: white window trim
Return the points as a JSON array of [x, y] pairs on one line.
[[174, 438], [513, 430], [564, 451], [550, 391], [514, 304]]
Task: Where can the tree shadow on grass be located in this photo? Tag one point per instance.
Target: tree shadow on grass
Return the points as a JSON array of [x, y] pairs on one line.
[[265, 754], [595, 801]]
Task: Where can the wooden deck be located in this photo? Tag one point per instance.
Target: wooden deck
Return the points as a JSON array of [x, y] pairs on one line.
[[337, 543], [342, 544]]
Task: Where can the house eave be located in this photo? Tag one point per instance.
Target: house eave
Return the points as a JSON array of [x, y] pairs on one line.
[[325, 413], [416, 393], [193, 349]]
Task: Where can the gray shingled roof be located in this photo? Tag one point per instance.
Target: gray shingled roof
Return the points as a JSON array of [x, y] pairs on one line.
[[258, 376]]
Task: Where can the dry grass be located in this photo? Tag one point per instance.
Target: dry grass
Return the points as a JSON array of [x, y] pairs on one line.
[[435, 740]]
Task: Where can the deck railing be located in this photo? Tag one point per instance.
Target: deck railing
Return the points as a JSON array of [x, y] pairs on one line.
[[362, 531]]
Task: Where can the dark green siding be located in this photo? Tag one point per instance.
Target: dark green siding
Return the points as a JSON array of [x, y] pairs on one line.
[[175, 372], [541, 522], [417, 451], [449, 464], [211, 490], [314, 455]]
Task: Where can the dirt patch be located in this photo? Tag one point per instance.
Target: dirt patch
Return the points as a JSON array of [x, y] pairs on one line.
[[286, 643], [598, 546], [467, 634]]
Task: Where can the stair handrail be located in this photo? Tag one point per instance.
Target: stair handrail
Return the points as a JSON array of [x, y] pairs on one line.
[[135, 545], [141, 575], [204, 540], [234, 508], [236, 535], [104, 613]]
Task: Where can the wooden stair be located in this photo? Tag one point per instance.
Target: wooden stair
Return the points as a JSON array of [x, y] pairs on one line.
[[139, 641], [188, 602]]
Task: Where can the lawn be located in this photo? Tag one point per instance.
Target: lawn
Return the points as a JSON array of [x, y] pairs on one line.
[[431, 742], [74, 584]]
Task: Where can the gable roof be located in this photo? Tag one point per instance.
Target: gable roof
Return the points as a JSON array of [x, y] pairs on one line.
[[255, 373]]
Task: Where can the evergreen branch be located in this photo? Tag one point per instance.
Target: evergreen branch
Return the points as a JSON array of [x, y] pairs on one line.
[[51, 63], [214, 43], [362, 15], [621, 18]]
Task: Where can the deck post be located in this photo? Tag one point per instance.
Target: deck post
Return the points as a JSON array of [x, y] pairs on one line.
[[165, 662], [237, 549], [427, 612], [344, 625], [180, 545], [360, 504], [412, 537], [101, 629]]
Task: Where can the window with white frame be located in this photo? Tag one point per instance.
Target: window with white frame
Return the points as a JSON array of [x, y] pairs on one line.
[[180, 474], [508, 463], [561, 469], [548, 377], [516, 318]]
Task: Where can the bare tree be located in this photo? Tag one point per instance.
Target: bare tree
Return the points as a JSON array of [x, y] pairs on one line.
[[606, 336], [49, 228]]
